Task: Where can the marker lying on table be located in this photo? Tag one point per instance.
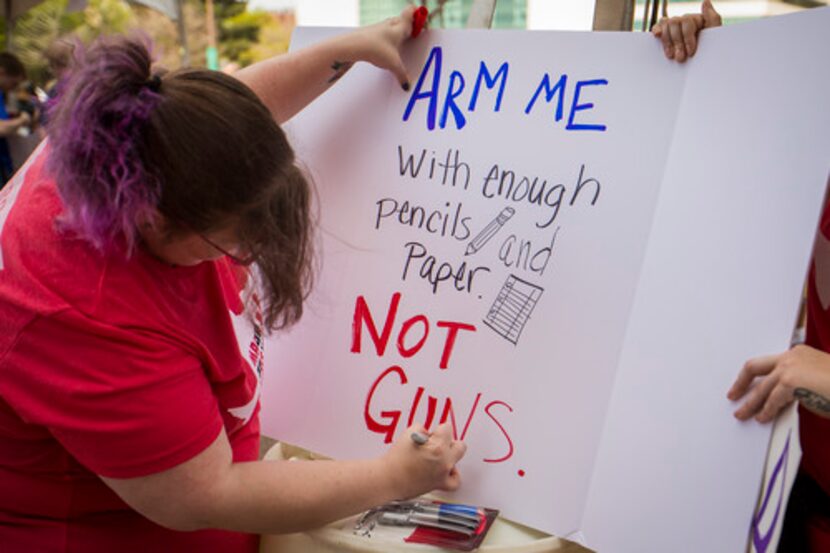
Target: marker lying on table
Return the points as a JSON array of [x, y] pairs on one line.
[[448, 525], [469, 513], [431, 520], [456, 510]]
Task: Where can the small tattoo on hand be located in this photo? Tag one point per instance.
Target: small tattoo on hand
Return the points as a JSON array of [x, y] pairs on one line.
[[812, 400]]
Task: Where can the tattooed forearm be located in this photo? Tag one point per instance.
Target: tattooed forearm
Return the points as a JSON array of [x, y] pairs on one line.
[[812, 400], [339, 68]]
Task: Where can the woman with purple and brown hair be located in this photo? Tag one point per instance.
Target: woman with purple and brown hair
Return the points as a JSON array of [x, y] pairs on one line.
[[130, 313]]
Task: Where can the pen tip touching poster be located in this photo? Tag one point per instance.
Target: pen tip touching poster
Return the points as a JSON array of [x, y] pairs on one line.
[[486, 240]]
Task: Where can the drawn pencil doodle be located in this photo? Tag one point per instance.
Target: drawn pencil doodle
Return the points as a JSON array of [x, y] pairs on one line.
[[489, 230]]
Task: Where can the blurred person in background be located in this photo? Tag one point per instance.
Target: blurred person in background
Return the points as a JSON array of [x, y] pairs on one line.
[[59, 58], [12, 73]]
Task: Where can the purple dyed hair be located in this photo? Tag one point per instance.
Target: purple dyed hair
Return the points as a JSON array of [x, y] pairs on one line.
[[93, 132]]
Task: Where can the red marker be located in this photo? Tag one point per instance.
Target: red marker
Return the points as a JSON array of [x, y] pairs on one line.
[[419, 20]]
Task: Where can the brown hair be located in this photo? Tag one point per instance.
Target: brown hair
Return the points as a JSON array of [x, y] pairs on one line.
[[194, 145], [222, 159]]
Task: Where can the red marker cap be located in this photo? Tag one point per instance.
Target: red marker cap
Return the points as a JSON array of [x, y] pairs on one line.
[[419, 20]]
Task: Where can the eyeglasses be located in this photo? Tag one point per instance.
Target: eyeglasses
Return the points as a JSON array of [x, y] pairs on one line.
[[244, 261]]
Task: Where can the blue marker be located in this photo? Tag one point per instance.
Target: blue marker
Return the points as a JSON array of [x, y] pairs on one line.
[[459, 509]]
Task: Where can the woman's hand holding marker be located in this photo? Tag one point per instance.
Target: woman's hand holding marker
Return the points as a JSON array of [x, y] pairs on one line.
[[419, 462], [419, 438]]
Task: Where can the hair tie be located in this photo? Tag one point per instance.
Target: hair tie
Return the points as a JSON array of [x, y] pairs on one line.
[[154, 83]]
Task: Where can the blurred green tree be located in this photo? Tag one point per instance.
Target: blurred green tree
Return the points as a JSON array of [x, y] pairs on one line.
[[238, 33], [36, 29], [247, 36], [274, 37], [244, 36]]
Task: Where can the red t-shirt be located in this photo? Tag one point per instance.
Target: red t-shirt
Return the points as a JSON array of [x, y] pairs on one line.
[[114, 367], [814, 429]]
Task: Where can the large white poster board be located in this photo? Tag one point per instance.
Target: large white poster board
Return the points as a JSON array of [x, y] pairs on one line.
[[566, 246]]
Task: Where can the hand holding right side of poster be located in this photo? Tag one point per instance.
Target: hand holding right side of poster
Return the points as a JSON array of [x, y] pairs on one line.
[[565, 246]]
